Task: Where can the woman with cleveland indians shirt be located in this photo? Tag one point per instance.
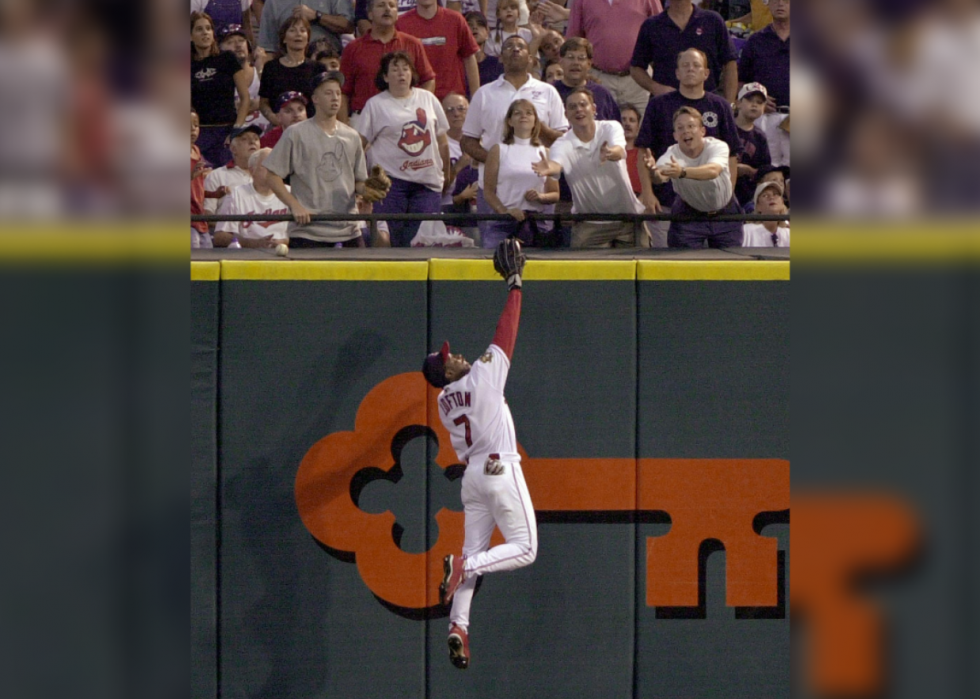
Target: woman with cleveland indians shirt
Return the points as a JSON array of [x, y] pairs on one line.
[[405, 128]]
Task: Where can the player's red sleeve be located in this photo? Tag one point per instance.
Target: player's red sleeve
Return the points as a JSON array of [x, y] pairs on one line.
[[507, 325]]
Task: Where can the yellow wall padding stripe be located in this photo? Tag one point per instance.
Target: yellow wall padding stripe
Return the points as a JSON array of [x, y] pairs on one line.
[[94, 241], [205, 271], [324, 270], [443, 269], [712, 270], [924, 240]]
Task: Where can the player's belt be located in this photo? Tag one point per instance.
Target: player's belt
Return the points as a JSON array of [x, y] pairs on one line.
[[496, 456]]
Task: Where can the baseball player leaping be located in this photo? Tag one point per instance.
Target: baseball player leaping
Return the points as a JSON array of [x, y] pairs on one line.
[[473, 410]]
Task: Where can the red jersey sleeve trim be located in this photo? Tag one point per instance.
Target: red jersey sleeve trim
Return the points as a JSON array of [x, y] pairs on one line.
[[506, 335]]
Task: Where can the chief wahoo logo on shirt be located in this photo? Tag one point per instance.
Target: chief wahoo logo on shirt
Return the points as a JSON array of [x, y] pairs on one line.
[[415, 137]]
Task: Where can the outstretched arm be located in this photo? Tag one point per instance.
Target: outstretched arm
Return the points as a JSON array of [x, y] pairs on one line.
[[506, 335], [508, 261]]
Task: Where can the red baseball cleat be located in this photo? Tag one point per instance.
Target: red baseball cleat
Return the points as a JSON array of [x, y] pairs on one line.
[[459, 647], [453, 569]]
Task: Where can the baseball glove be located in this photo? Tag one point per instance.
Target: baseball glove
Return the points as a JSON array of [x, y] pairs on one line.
[[508, 260], [376, 186]]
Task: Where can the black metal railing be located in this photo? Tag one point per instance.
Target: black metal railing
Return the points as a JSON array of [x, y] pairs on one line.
[[556, 218]]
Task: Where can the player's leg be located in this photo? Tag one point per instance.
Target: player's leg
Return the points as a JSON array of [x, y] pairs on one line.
[[479, 526], [513, 513]]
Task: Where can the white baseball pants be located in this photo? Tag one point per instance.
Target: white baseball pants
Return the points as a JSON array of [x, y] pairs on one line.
[[488, 501]]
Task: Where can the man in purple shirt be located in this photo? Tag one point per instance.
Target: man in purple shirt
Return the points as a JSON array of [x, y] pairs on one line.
[[765, 56], [612, 26], [681, 27], [657, 129], [576, 62]]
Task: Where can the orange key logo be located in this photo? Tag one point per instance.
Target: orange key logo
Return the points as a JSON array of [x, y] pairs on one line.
[[713, 501], [706, 499]]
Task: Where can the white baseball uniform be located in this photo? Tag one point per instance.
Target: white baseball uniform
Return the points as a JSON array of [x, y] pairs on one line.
[[475, 413], [245, 200]]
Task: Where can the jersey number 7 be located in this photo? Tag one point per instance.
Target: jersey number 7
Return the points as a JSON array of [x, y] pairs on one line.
[[464, 420]]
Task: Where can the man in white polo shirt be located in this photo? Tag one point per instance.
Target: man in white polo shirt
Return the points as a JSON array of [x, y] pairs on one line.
[[697, 166], [592, 155], [484, 125]]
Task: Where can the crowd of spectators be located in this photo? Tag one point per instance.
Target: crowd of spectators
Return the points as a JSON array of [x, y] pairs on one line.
[[492, 106]]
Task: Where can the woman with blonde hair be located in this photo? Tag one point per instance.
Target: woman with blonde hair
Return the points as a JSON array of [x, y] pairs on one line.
[[511, 186]]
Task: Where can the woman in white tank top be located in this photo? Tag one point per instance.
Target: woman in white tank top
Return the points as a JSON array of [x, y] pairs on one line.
[[512, 187]]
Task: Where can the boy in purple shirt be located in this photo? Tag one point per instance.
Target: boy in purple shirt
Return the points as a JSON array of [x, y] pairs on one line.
[[576, 62], [490, 66], [755, 147]]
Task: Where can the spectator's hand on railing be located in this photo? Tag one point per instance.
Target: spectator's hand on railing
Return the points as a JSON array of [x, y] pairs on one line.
[[301, 214], [517, 214]]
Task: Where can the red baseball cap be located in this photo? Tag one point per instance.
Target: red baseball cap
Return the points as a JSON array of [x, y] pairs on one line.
[[434, 366]]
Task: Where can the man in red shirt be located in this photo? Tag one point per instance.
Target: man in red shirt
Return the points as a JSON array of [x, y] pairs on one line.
[[449, 45], [360, 60]]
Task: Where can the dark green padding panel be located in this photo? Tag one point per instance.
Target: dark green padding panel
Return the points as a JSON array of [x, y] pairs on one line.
[[713, 383], [297, 359]]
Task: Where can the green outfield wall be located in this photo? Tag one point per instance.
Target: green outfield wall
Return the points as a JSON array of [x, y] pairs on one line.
[[651, 400]]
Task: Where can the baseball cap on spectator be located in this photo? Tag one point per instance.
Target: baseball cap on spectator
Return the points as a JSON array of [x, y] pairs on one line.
[[434, 366], [291, 96], [752, 88], [254, 128], [324, 76], [766, 169], [763, 186], [229, 29], [478, 17]]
